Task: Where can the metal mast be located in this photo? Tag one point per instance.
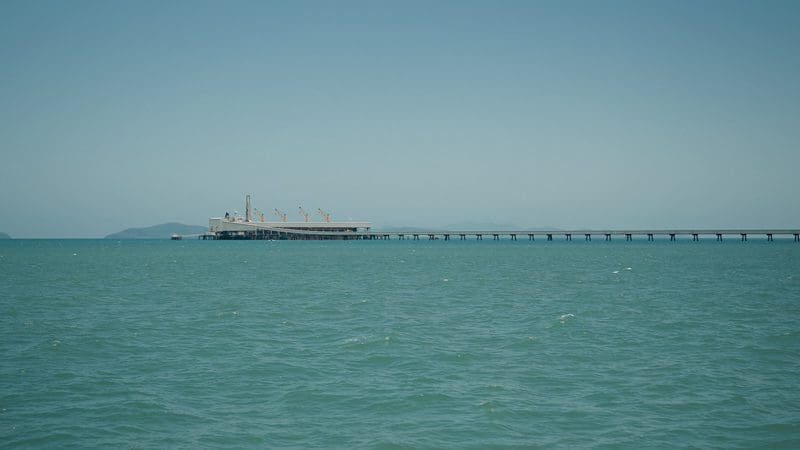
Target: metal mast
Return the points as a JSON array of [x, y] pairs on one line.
[[247, 209]]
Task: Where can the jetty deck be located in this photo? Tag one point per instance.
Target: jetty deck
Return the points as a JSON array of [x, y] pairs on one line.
[[258, 231], [248, 228]]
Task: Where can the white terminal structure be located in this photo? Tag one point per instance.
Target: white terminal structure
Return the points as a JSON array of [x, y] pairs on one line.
[[255, 226]]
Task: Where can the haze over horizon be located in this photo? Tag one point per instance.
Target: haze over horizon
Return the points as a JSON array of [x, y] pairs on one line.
[[610, 114]]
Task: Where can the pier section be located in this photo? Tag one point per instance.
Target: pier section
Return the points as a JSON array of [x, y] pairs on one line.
[[222, 228], [254, 226]]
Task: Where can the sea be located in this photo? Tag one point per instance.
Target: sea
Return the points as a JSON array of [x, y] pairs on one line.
[[159, 344]]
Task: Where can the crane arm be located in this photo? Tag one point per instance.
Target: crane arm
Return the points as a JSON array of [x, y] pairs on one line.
[[304, 214], [281, 215]]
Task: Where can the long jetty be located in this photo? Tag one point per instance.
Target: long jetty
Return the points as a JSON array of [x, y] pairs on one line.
[[277, 233], [587, 235], [247, 228]]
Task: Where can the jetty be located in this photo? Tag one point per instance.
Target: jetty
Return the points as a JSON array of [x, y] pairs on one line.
[[254, 226], [260, 232]]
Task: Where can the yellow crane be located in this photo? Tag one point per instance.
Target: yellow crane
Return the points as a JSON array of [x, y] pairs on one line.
[[281, 215], [259, 214], [304, 214], [325, 215]]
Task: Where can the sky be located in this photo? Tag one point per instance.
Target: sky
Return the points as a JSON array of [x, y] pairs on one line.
[[570, 114]]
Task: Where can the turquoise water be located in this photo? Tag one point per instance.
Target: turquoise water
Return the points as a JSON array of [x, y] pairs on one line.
[[399, 344]]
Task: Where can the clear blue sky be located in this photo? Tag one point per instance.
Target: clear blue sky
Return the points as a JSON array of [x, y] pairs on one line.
[[572, 114]]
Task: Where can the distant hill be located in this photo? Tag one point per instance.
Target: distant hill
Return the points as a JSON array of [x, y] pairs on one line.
[[391, 228], [4, 236], [163, 231], [482, 226], [464, 226]]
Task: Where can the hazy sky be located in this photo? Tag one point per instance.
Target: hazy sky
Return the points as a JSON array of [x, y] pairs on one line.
[[572, 114]]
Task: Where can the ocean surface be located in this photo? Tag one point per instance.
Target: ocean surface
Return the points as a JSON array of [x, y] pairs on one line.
[[399, 344]]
